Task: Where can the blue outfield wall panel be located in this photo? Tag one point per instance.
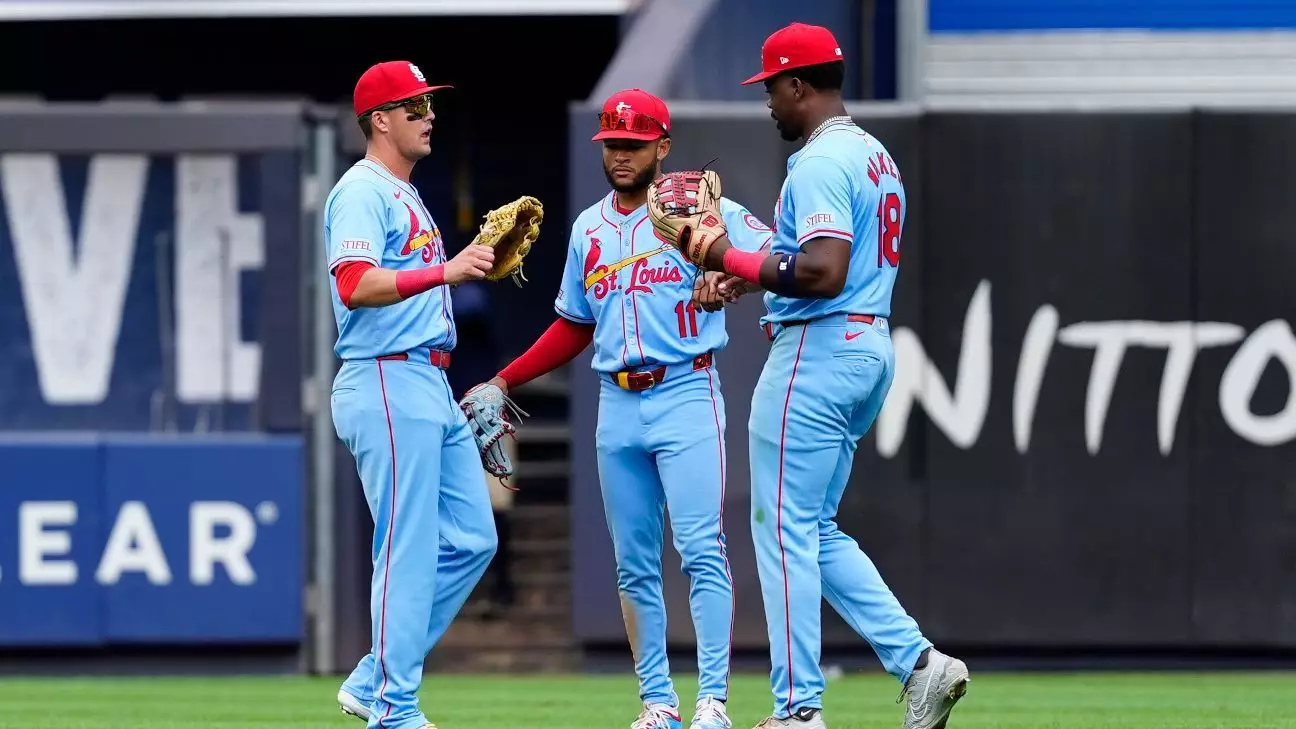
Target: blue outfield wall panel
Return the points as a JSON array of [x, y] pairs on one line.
[[50, 537], [978, 16], [176, 540], [227, 514]]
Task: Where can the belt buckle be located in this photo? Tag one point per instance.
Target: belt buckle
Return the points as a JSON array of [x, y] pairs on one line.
[[631, 381], [652, 381]]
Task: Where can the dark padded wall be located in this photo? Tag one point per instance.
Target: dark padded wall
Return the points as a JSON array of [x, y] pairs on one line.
[[1113, 265], [1244, 502], [1087, 214]]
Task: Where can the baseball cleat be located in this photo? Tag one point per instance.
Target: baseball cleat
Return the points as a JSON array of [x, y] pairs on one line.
[[933, 690], [806, 718], [658, 716], [352, 706], [710, 714]]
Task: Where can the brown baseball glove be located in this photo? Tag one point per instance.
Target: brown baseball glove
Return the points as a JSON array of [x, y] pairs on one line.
[[510, 230], [685, 211]]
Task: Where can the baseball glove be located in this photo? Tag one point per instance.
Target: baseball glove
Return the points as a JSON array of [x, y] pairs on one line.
[[685, 212], [510, 230], [486, 407]]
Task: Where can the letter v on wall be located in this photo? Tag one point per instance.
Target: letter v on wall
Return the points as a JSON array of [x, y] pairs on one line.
[[73, 296]]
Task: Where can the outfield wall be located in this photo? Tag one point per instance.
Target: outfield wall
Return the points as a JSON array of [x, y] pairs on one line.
[[153, 470], [1090, 437]]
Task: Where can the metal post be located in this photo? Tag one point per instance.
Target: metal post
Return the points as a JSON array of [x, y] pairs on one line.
[[324, 437], [911, 49]]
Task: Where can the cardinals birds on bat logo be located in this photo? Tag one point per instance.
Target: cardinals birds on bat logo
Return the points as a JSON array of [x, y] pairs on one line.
[[420, 238]]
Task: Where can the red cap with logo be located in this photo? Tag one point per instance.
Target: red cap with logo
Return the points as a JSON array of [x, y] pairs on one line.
[[796, 46], [390, 81], [633, 114]]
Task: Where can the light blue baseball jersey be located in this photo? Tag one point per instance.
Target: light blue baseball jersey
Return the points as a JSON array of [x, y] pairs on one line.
[[636, 289], [842, 184], [373, 216]]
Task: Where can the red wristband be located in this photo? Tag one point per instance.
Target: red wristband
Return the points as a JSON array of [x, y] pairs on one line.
[[409, 283], [743, 264]]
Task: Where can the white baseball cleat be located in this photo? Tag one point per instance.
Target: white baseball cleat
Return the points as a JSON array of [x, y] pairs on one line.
[[657, 716], [933, 690], [710, 714], [351, 705], [802, 719]]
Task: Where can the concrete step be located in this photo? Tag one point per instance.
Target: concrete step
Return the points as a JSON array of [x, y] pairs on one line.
[[543, 431], [504, 660], [543, 591], [504, 633], [540, 555], [540, 521]]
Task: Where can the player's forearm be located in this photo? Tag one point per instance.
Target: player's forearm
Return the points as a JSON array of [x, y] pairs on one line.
[[561, 342], [801, 275], [384, 287]]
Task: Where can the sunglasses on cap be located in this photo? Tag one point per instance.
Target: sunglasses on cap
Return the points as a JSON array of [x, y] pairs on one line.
[[418, 106], [631, 121]]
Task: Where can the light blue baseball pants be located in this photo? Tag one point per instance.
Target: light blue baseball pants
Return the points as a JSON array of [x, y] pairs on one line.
[[822, 387], [664, 449], [433, 530]]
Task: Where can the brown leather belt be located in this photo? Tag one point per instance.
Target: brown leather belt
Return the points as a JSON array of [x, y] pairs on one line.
[[645, 379], [436, 358], [860, 318]]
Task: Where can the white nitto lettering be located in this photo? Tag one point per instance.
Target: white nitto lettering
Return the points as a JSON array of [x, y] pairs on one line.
[[960, 413]]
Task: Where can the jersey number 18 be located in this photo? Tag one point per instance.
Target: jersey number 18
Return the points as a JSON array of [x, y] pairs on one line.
[[889, 230]]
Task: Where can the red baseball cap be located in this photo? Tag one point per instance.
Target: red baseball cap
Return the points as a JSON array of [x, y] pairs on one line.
[[633, 114], [390, 81], [796, 46]]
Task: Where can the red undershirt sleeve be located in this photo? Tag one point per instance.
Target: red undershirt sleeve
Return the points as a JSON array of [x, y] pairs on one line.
[[561, 342], [348, 276]]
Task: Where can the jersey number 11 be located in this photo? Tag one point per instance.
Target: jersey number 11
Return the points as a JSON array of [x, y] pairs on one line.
[[688, 328]]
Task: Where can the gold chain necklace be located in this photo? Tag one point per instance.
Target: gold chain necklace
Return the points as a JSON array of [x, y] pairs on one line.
[[385, 167]]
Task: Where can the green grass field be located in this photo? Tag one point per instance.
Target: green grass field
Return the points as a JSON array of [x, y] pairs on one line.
[[994, 701]]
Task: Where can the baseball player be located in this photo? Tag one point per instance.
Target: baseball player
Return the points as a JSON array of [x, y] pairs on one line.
[[632, 296], [418, 463], [829, 280]]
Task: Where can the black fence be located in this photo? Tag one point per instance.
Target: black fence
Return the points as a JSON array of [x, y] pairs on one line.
[[1089, 443]]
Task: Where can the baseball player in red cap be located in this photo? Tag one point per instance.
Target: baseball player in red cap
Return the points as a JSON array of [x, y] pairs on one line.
[[633, 297], [828, 279], [434, 533]]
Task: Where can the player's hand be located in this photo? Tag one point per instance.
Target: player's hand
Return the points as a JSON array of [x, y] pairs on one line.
[[705, 294], [470, 264], [730, 287]]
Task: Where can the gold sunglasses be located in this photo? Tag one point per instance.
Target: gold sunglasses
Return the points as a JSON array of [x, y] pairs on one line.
[[419, 106]]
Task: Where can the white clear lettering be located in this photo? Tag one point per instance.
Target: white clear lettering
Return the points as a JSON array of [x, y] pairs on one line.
[[133, 546], [37, 543], [206, 549]]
